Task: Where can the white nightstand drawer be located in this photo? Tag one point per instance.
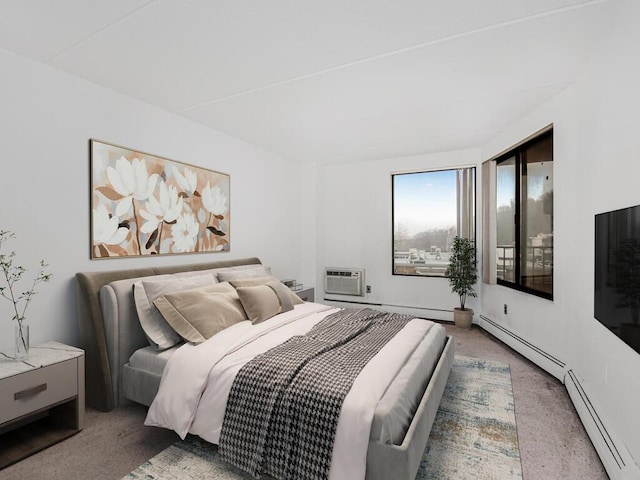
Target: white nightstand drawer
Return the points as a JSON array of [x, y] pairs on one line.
[[37, 389]]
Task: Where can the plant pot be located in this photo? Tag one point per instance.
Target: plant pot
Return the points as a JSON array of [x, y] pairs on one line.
[[463, 317]]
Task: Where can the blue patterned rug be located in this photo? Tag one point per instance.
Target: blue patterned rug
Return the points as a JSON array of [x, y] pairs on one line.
[[473, 437]]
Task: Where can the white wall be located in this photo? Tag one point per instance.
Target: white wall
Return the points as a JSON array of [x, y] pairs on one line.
[[596, 169], [308, 201], [46, 120], [354, 231]]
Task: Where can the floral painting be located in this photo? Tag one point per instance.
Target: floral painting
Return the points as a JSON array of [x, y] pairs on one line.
[[142, 204]]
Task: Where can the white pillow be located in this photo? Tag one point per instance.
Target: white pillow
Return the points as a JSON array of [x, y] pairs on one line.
[[159, 333], [258, 271], [235, 268]]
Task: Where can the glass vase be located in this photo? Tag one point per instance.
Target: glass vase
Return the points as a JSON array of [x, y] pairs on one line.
[[22, 341]]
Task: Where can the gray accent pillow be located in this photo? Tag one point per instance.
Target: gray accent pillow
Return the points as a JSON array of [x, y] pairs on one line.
[[199, 314], [251, 282], [261, 302], [159, 333]]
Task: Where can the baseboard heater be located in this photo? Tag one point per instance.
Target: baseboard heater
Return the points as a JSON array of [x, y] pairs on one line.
[[614, 456], [353, 302], [435, 314], [544, 360]]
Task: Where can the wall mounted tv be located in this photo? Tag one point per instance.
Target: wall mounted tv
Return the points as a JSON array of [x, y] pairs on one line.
[[617, 273]]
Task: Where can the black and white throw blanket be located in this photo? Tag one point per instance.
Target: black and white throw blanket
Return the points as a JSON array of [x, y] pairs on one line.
[[284, 405]]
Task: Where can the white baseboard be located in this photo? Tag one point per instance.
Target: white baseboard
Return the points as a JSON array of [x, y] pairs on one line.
[[614, 456], [544, 360]]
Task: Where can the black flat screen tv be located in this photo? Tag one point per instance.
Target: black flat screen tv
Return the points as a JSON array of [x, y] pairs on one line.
[[617, 273]]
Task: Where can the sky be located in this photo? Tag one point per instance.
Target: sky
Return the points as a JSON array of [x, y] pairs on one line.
[[425, 200]]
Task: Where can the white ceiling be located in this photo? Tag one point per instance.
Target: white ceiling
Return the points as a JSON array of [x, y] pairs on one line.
[[326, 81]]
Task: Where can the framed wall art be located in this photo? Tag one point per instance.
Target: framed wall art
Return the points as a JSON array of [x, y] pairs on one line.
[[143, 204]]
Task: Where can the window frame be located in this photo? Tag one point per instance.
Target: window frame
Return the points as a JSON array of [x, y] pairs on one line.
[[516, 152], [474, 211]]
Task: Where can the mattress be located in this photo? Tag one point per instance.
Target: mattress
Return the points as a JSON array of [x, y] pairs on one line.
[[150, 360], [395, 409]]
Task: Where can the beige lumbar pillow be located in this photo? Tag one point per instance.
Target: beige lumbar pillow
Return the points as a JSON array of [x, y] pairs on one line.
[[262, 302], [198, 314], [252, 282]]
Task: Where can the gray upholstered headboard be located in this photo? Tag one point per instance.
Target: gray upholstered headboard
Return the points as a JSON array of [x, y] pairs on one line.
[[99, 387]]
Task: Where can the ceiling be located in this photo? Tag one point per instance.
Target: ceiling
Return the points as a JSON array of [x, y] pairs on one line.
[[321, 81]]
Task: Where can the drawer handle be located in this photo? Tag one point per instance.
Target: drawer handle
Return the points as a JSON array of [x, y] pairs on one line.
[[30, 392]]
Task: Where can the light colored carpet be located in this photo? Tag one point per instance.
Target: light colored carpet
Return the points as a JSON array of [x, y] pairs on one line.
[[473, 437]]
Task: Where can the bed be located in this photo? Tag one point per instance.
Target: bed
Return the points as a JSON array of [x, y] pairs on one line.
[[122, 366]]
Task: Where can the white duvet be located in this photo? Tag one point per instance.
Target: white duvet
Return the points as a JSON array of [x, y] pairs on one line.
[[197, 379]]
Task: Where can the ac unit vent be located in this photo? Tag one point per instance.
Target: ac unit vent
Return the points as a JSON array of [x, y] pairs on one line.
[[344, 281]]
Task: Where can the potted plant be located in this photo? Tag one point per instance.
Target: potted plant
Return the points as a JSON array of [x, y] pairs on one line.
[[462, 275], [12, 274]]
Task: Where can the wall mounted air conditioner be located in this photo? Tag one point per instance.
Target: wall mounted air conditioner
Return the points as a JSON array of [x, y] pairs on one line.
[[344, 281]]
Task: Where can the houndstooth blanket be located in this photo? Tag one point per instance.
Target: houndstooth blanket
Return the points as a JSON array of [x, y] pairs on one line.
[[284, 405]]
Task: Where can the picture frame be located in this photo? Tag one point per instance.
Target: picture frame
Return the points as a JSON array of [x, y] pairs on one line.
[[144, 204]]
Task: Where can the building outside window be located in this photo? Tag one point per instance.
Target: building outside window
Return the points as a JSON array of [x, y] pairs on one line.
[[429, 209], [524, 217]]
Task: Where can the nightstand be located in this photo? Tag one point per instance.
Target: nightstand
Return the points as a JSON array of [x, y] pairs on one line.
[[308, 294], [41, 399]]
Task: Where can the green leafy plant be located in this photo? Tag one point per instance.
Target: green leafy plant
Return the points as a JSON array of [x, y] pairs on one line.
[[462, 270], [12, 274]]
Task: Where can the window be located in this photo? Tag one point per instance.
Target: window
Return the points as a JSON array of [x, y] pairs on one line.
[[429, 210], [524, 217]]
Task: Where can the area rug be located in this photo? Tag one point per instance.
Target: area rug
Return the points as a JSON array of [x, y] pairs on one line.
[[473, 436], [474, 433]]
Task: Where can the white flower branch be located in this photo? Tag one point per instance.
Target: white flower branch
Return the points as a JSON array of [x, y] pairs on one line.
[[13, 274]]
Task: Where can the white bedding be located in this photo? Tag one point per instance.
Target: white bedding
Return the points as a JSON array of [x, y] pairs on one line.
[[395, 409], [151, 360], [197, 379]]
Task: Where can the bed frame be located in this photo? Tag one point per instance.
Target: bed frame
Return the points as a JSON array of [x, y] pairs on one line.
[[109, 347]]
